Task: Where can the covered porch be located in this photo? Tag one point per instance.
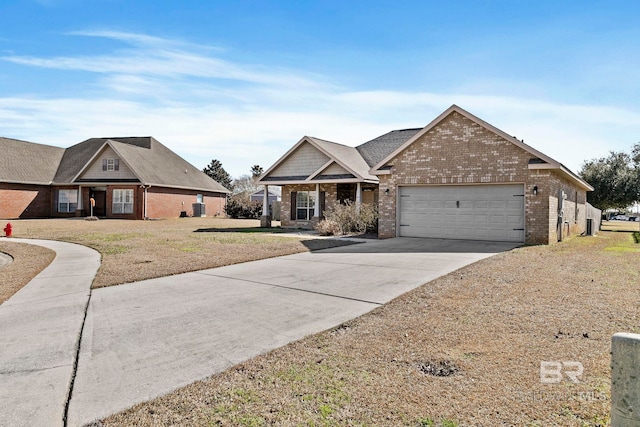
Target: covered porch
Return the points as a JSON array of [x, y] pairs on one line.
[[304, 204]]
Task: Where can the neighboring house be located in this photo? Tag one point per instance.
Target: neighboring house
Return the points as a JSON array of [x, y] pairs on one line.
[[273, 201], [131, 178], [258, 196], [458, 177]]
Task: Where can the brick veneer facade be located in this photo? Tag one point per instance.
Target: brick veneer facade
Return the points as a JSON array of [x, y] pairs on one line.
[[24, 201], [460, 151], [168, 203], [40, 201]]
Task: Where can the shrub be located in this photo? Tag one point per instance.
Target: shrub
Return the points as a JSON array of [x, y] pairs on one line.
[[343, 219], [239, 207]]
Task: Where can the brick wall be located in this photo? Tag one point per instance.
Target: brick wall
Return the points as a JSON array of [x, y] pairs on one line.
[[39, 201], [574, 220], [24, 201], [459, 151], [168, 202]]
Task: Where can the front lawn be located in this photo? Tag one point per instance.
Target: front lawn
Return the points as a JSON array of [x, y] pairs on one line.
[[463, 350], [137, 250]]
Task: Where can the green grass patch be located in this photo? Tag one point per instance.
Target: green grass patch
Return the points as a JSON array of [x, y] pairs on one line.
[[430, 422], [629, 244]]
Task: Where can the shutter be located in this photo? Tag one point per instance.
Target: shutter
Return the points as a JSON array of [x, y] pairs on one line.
[[104, 164], [116, 164], [294, 196], [322, 204]]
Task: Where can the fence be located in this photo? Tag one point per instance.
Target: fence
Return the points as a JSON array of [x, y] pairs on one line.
[[594, 216]]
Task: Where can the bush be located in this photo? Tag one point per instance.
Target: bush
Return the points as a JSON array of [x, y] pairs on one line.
[[343, 219], [238, 207]]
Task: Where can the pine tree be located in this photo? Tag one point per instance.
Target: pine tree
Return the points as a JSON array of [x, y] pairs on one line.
[[217, 172]]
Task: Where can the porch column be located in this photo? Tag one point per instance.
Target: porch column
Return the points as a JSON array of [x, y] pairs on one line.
[[316, 208], [79, 207], [358, 196], [265, 219], [265, 201]]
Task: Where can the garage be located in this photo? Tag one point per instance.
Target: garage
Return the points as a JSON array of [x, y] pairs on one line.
[[474, 212]]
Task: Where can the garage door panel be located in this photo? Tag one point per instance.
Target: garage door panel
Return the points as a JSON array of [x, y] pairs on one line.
[[481, 219], [497, 219], [515, 205], [514, 220], [498, 205], [482, 212]]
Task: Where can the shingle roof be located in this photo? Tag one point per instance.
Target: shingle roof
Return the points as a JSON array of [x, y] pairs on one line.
[[149, 160], [160, 166], [377, 149], [75, 159], [347, 155], [27, 162]]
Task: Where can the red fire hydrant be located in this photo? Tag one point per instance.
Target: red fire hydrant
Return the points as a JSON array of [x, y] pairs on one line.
[[8, 230]]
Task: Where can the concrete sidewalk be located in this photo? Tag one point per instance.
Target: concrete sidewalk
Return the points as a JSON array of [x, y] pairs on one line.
[[39, 332], [145, 339]]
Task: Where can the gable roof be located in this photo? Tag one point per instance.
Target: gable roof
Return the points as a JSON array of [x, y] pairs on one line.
[[378, 148], [346, 157], [546, 161], [27, 162], [149, 160]]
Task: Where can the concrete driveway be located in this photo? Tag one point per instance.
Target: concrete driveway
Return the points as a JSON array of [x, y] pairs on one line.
[[145, 339]]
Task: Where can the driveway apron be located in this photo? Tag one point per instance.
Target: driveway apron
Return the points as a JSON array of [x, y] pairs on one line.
[[145, 339], [39, 332]]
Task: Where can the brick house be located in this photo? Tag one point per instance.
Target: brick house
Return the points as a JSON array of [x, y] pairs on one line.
[[458, 177], [128, 178]]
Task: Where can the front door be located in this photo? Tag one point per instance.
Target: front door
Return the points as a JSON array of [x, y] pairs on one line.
[[100, 209]]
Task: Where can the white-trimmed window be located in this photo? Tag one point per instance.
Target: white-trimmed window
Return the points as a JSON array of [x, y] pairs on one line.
[[305, 204], [122, 202], [67, 200]]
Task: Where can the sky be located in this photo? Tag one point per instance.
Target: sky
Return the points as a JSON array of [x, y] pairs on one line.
[[243, 81]]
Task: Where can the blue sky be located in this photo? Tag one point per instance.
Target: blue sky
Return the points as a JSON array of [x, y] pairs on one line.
[[242, 81]]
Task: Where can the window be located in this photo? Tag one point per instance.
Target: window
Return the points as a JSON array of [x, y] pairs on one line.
[[67, 200], [122, 202], [305, 204], [110, 164], [199, 198], [346, 193]]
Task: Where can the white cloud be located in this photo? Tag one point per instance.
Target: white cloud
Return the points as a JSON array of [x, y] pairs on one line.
[[205, 107]]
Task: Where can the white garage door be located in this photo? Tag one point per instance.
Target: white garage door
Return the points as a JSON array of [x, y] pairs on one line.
[[474, 212]]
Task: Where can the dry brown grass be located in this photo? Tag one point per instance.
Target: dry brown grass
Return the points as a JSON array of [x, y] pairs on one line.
[[495, 321], [138, 250], [620, 225], [29, 260]]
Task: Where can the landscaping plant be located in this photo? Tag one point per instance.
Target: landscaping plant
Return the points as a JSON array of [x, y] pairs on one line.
[[348, 218]]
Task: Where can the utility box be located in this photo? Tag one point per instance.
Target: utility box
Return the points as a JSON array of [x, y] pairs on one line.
[[199, 209], [590, 227]]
